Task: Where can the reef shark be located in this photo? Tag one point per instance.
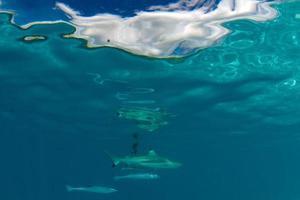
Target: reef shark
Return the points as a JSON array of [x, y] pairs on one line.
[[94, 189], [139, 176], [149, 161]]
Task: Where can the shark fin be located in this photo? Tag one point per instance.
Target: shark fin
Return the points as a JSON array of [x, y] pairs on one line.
[[113, 159], [151, 152]]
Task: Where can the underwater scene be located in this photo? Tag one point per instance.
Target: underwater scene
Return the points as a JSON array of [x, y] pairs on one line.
[[150, 99]]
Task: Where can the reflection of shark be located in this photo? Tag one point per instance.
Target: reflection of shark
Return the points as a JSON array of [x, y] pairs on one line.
[[145, 118], [150, 160], [94, 189]]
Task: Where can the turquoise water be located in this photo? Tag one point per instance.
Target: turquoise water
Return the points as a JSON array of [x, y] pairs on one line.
[[233, 114]]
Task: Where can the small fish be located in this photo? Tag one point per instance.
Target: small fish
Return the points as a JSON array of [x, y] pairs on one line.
[[141, 176], [94, 189]]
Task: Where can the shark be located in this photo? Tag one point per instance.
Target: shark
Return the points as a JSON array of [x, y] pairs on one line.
[[93, 189], [149, 160], [139, 176]]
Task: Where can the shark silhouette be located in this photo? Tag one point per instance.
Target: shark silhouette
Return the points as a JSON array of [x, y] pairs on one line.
[[150, 160]]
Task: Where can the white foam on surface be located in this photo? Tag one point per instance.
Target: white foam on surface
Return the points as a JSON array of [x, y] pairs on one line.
[[166, 31]]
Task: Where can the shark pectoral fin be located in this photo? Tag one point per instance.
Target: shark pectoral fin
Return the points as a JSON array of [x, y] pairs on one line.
[[114, 161], [113, 165]]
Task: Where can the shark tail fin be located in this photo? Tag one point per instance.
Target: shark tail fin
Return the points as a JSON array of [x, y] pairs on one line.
[[115, 161], [69, 188]]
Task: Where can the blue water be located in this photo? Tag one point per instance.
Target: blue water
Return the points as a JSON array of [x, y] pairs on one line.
[[31, 10], [233, 124]]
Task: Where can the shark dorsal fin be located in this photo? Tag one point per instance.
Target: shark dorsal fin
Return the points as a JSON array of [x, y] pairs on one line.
[[151, 152]]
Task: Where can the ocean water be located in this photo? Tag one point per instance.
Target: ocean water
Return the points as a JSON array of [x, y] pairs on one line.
[[232, 105]]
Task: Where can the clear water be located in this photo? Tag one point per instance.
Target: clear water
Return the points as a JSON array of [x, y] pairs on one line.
[[234, 114]]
